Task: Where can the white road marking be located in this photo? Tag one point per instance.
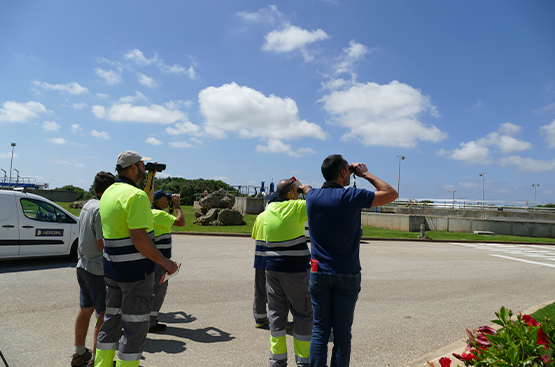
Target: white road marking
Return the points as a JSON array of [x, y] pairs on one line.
[[526, 261]]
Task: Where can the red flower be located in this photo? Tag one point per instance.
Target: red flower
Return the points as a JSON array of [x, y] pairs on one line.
[[545, 359], [468, 357], [542, 339], [444, 362], [530, 321], [487, 330], [482, 341]]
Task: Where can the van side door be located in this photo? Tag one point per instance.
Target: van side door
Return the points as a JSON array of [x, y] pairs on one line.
[[43, 228], [9, 226]]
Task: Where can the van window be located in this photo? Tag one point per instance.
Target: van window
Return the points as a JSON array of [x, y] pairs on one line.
[[41, 211]]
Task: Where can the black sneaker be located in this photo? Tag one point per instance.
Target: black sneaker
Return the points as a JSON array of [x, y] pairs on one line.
[[158, 328], [81, 360]]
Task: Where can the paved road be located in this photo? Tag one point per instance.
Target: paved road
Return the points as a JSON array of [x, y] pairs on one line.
[[416, 298]]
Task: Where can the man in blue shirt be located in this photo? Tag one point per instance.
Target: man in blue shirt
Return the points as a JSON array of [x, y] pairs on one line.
[[335, 231]]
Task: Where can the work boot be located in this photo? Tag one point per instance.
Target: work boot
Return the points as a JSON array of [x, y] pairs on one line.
[[81, 360]]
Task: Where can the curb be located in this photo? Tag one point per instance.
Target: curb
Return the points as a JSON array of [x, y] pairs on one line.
[[458, 347]]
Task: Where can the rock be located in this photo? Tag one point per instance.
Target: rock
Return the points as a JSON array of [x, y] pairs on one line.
[[230, 217], [218, 199], [77, 204], [210, 216]]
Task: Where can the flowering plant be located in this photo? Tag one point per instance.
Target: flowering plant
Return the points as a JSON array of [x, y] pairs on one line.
[[521, 342]]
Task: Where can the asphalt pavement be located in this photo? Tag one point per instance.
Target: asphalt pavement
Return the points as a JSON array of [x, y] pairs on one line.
[[417, 299]]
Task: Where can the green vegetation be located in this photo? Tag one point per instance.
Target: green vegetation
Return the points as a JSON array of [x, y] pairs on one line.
[[81, 194], [188, 189], [548, 311]]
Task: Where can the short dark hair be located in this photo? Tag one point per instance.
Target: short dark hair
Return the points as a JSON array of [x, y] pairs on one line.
[[283, 188], [102, 181], [332, 166]]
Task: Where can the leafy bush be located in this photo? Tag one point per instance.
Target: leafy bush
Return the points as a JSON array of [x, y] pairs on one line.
[[518, 343]]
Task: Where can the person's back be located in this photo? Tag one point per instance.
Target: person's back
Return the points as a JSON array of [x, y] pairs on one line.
[[88, 253], [334, 226]]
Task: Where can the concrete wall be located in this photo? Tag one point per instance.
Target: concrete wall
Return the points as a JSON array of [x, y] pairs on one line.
[[247, 205], [516, 214], [61, 196], [411, 223]]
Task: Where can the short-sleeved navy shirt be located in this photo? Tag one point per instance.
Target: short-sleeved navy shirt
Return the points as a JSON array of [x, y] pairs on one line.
[[334, 226]]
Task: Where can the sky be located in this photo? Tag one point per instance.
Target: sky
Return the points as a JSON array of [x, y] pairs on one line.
[[251, 91]]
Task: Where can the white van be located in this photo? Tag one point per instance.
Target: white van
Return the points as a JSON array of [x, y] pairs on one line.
[[33, 226]]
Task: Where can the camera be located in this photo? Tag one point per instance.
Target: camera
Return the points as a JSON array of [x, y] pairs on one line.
[[155, 167], [351, 168]]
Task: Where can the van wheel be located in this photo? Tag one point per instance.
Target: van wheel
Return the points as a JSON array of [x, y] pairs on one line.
[[73, 252]]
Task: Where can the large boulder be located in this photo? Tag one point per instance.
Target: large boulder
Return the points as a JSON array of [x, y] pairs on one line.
[[218, 199], [78, 204], [230, 217], [209, 217]]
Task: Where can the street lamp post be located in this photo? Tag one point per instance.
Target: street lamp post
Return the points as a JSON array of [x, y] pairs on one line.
[[11, 163], [535, 185], [401, 158], [453, 201], [483, 175]]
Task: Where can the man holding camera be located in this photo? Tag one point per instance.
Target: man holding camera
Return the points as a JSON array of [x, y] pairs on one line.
[[163, 222], [287, 260], [335, 232], [129, 257]]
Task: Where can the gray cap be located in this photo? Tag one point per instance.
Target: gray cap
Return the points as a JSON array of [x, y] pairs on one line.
[[129, 157]]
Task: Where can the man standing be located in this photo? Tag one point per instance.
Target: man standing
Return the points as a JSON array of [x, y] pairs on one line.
[[163, 222], [287, 259], [90, 274], [335, 231], [129, 257]]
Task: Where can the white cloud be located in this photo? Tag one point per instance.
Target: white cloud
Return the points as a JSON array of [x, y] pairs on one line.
[[100, 134], [153, 141], [469, 184], [548, 130], [76, 128], [133, 99], [277, 146], [184, 128], [472, 152], [57, 141], [383, 115], [145, 80], [138, 57], [71, 88], [528, 164], [292, 38], [250, 114], [478, 152], [508, 128], [269, 15], [180, 144], [79, 105], [69, 163], [8, 155], [12, 111], [478, 106], [122, 112], [350, 56], [102, 95], [50, 126], [545, 108], [110, 77]]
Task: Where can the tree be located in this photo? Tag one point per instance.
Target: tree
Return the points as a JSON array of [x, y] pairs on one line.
[[188, 189], [81, 194]]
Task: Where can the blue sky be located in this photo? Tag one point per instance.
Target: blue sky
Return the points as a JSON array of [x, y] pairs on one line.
[[250, 91]]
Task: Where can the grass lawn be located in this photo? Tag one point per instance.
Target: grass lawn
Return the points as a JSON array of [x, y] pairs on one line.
[[189, 213], [548, 311]]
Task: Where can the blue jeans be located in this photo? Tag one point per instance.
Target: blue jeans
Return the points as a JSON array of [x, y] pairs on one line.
[[333, 303]]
